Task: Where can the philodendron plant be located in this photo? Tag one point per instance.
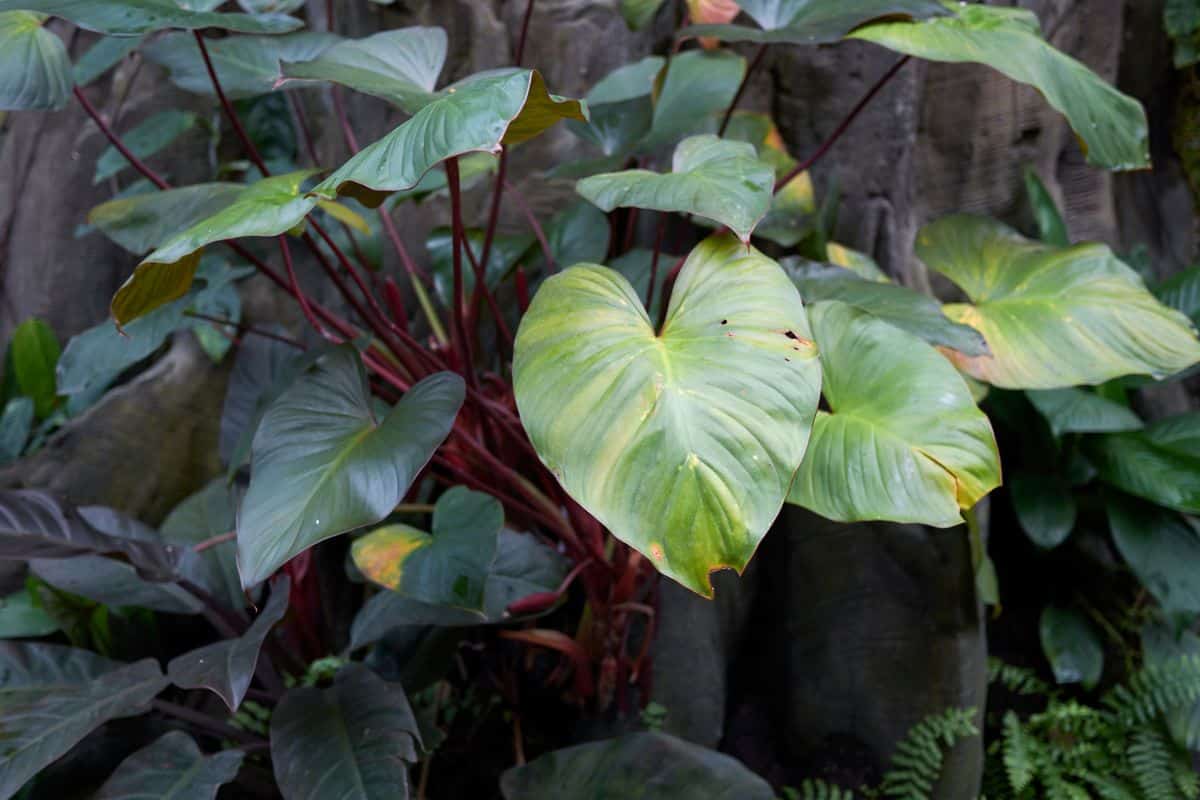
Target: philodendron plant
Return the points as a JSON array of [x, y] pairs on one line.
[[522, 430]]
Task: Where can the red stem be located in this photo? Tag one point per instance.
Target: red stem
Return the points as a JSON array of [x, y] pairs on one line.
[[462, 340], [737, 97], [116, 142], [536, 226], [251, 150], [524, 32], [658, 240]]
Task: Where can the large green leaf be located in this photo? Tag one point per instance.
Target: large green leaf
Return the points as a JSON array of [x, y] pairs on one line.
[[227, 666], [401, 66], [144, 221], [449, 567], [34, 351], [271, 207], [35, 72], [1052, 317], [812, 21], [1161, 547], [134, 17], [903, 439], [648, 766], [478, 115], [523, 567], [721, 180], [698, 85], [321, 464], [1160, 464], [682, 443], [1072, 646], [909, 310], [171, 768], [246, 65], [1075, 410], [208, 513], [1111, 126], [54, 696], [1045, 508], [376, 739], [152, 135]]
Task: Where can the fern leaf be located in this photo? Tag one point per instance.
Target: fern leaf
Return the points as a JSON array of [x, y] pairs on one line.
[[816, 789], [1017, 754], [1157, 689], [1150, 758], [917, 762]]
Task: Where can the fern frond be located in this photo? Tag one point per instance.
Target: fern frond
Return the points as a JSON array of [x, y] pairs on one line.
[[1107, 787], [1060, 789], [1150, 758], [1017, 680], [917, 762], [1186, 779], [1157, 689], [817, 789], [1017, 754]]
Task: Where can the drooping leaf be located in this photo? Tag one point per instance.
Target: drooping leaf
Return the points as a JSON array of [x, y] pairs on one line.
[[1182, 292], [721, 180], [812, 21], [34, 351], [1052, 317], [1161, 547], [479, 115], [697, 86], [1072, 646], [144, 221], [152, 135], [1045, 508], [16, 423], [472, 168], [227, 666], [246, 65], [171, 768], [103, 56], [639, 13], [21, 617], [448, 567], [400, 66], [903, 439], [1051, 228], [1160, 463], [54, 696], [368, 759], [682, 443], [523, 567], [1075, 410], [135, 17], [35, 71], [322, 465], [905, 308], [271, 207], [620, 107], [1110, 125], [649, 766]]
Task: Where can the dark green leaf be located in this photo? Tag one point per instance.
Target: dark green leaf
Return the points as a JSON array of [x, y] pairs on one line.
[[578, 234], [35, 71], [15, 425], [1160, 463], [134, 17], [638, 13], [1075, 410], [698, 85], [322, 465], [34, 352], [620, 107], [1045, 508], [171, 768], [507, 250], [1072, 646], [152, 135], [1161, 547], [637, 266], [648, 766], [1182, 292], [103, 56], [208, 513], [1051, 228], [1161, 645], [226, 667], [142, 222], [812, 21], [377, 738], [246, 65], [21, 617]]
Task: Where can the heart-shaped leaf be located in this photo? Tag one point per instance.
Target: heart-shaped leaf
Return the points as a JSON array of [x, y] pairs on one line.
[[903, 440], [811, 21], [1112, 126], [477, 115], [54, 696], [1160, 463], [226, 667], [271, 207], [697, 86], [523, 567], [368, 760], [682, 443], [35, 71], [909, 310], [144, 221], [1052, 317], [449, 567], [1075, 410], [134, 17], [321, 465], [1161, 547], [400, 66], [1045, 508], [721, 180], [152, 135], [1072, 646], [649, 766], [246, 66], [171, 768]]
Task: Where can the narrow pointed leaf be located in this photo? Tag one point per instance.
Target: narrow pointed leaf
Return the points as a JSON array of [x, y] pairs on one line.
[[698, 85], [247, 66], [33, 352], [620, 107], [271, 207], [377, 738], [478, 115], [322, 465], [35, 71], [683, 444], [149, 137], [144, 221], [1051, 227], [1161, 547], [1072, 646], [171, 768], [226, 667], [1160, 463], [135, 17], [21, 617], [400, 66], [903, 440], [812, 21], [16, 423], [1075, 410], [208, 513], [1052, 317], [1045, 508], [721, 180], [1111, 126], [103, 56]]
